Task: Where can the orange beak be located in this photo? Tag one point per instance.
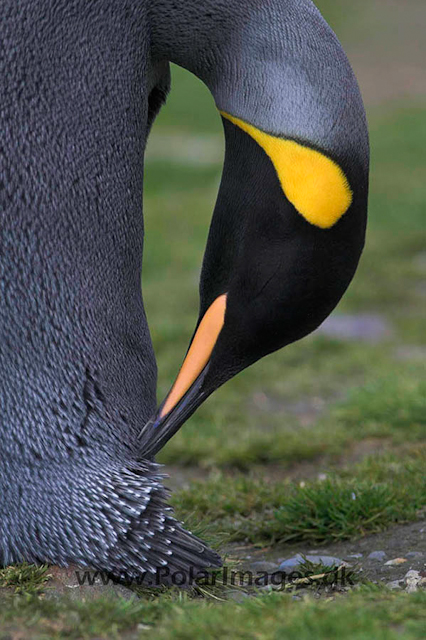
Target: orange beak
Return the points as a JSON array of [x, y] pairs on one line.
[[185, 396]]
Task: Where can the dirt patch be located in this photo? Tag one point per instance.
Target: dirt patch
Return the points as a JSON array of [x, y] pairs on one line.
[[368, 327], [307, 410], [384, 557]]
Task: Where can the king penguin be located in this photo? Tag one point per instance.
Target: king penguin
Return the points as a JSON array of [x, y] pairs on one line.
[[81, 84]]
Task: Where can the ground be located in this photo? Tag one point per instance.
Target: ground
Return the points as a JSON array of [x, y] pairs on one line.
[[319, 449]]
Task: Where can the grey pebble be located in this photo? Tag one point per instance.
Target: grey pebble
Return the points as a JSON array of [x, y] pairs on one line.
[[355, 555], [412, 575], [414, 554], [412, 579], [395, 584], [377, 555], [297, 560], [237, 596]]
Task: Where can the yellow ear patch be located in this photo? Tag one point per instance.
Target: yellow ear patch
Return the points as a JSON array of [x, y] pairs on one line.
[[311, 181]]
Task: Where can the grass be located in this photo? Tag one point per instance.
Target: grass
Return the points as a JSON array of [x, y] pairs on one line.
[[348, 503], [379, 614], [67, 618], [266, 424], [392, 406], [24, 579], [368, 612]]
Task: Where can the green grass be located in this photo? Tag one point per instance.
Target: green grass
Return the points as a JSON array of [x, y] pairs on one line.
[[393, 406], [348, 503], [24, 579], [369, 612], [65, 618]]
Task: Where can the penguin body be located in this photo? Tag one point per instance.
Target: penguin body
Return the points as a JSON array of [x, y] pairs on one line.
[[82, 84], [78, 373]]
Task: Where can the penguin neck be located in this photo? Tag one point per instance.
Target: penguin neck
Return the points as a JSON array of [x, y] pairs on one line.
[[276, 65]]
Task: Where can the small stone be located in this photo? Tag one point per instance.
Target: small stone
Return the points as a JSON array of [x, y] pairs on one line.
[[412, 580], [267, 587], [412, 574], [291, 563], [328, 561], [263, 566], [395, 562], [414, 554], [355, 555], [297, 560], [395, 584], [377, 555], [237, 596]]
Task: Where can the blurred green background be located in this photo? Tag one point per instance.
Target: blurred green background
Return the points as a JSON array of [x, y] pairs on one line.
[[327, 392]]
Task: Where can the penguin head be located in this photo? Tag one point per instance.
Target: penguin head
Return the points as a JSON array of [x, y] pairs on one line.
[[285, 239], [289, 223]]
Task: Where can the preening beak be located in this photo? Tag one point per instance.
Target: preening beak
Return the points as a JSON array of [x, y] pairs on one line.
[[187, 392], [162, 426]]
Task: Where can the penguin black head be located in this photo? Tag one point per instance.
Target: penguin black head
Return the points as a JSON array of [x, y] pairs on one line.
[[287, 231]]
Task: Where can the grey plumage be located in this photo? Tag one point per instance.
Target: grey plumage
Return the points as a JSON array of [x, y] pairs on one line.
[[78, 373], [110, 516], [81, 83]]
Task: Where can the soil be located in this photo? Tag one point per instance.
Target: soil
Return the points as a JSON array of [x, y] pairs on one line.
[[406, 542]]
